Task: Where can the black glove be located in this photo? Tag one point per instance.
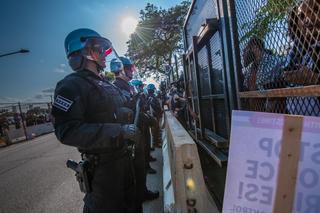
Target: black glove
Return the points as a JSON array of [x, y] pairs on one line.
[[130, 132]]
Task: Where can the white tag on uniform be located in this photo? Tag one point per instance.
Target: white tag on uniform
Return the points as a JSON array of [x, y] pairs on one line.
[[62, 103]]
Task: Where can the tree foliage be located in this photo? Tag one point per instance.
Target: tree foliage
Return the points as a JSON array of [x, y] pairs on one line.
[[157, 38], [267, 18]]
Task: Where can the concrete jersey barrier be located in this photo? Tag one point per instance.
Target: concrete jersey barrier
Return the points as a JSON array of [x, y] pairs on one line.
[[184, 190]]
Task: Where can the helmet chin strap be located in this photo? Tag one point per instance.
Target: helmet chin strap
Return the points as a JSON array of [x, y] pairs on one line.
[[99, 67]]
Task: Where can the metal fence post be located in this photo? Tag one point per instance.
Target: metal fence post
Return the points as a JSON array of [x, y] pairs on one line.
[[22, 119]]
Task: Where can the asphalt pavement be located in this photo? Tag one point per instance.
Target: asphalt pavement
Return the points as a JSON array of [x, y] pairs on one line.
[[34, 178]]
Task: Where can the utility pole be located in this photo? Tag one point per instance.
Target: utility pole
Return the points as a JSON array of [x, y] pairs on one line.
[[16, 52], [23, 124]]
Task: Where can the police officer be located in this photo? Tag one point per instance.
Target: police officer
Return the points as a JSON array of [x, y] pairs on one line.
[[123, 76], [156, 112], [84, 112], [146, 124]]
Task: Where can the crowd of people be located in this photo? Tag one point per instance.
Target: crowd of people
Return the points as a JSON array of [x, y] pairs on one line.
[[113, 124], [175, 97]]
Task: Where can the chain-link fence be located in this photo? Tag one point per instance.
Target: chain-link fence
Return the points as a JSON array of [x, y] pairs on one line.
[[21, 121], [280, 55]]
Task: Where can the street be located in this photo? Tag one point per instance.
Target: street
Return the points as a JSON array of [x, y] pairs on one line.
[[34, 178]]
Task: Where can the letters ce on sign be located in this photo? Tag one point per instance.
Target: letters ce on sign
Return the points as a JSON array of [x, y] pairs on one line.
[[254, 178]]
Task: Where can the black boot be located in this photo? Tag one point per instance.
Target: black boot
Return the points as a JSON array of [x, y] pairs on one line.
[[150, 195]]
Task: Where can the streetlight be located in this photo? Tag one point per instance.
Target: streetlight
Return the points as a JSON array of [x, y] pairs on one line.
[[20, 51]]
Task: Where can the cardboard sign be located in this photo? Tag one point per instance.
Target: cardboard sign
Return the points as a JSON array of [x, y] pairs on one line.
[[253, 165]]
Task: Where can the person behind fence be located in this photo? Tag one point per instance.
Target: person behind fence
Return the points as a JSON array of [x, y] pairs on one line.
[[4, 130], [156, 112], [303, 60], [178, 101], [85, 116], [263, 72], [304, 56]]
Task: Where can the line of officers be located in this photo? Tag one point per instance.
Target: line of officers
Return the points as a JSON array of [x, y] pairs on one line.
[[108, 123]]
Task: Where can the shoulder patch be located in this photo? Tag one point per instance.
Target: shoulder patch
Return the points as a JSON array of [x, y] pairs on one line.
[[62, 103]]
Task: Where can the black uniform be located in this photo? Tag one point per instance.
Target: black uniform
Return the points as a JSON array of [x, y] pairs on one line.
[[125, 89], [146, 125], [84, 117], [139, 158], [154, 106]]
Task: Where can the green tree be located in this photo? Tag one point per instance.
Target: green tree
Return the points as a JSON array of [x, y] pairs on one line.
[[157, 38], [267, 17]]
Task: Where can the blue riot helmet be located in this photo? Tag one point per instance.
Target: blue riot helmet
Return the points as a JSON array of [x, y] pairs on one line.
[[116, 65], [73, 41], [125, 61], [128, 67], [137, 84], [151, 88], [86, 44]]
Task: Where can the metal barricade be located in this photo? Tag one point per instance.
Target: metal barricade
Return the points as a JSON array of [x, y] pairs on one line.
[[23, 121]]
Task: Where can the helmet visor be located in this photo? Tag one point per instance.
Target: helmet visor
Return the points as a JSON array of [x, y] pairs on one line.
[[99, 44], [104, 47]]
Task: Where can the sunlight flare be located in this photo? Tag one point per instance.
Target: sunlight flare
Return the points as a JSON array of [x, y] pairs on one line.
[[129, 24]]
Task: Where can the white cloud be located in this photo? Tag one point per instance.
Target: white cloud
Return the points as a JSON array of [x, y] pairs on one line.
[[8, 100], [48, 90], [43, 96], [39, 96], [59, 70]]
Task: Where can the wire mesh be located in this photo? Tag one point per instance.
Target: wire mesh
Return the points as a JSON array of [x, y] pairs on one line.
[[216, 64], [20, 121], [203, 66], [279, 48]]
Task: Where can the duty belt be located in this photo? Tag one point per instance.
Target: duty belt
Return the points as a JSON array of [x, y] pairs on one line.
[[97, 158]]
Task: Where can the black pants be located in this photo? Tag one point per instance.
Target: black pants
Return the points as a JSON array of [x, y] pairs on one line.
[[147, 144], [140, 175], [113, 187]]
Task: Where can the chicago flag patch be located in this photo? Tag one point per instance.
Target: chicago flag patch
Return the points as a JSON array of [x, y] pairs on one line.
[[62, 103]]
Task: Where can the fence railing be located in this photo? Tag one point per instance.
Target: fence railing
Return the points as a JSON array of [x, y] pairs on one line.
[[23, 121]]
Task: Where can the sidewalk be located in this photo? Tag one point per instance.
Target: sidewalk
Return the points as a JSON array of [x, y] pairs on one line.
[[154, 182]]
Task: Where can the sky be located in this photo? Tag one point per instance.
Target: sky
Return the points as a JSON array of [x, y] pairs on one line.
[[41, 27]]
